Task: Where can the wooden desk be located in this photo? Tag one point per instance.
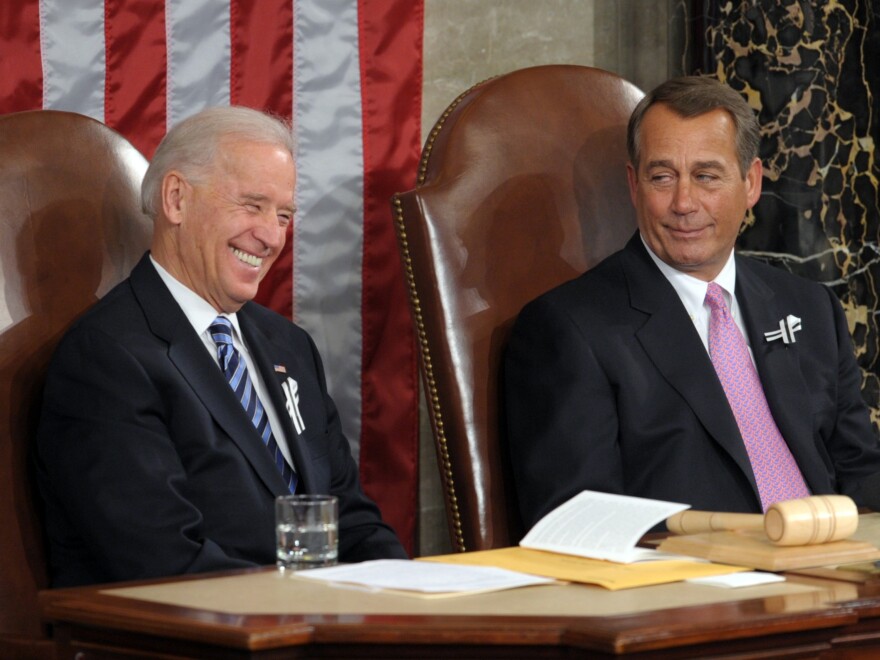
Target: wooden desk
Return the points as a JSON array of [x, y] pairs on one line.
[[261, 614]]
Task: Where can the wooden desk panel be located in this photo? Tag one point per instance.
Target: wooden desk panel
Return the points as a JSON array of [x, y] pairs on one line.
[[806, 618]]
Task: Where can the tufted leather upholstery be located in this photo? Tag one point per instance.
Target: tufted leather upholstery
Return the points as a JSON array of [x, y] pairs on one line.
[[521, 187], [71, 228]]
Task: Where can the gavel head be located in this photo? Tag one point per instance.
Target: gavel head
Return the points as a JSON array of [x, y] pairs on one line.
[[811, 520]]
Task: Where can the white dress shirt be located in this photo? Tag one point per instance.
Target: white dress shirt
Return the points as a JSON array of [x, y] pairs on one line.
[[692, 292], [201, 315]]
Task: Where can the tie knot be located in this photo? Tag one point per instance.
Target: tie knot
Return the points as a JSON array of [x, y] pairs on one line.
[[715, 298], [221, 331]]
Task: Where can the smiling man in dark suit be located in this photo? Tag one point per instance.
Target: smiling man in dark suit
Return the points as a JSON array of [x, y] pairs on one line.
[[676, 369], [148, 462]]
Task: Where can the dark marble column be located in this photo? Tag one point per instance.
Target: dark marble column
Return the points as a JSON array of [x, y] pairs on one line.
[[812, 72]]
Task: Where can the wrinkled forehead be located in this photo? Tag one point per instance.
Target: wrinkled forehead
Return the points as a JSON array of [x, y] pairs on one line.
[[664, 128]]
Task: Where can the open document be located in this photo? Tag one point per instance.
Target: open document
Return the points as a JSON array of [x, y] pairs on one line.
[[592, 539], [600, 526]]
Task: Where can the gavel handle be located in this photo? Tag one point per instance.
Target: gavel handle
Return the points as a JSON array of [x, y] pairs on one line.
[[697, 522]]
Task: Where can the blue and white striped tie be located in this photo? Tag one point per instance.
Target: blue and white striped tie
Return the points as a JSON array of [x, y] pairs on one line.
[[237, 376]]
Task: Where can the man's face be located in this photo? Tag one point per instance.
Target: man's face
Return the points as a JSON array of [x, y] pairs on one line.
[[233, 225], [689, 194]]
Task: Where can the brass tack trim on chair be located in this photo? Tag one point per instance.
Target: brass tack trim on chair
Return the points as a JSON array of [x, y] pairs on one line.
[[424, 349], [432, 136]]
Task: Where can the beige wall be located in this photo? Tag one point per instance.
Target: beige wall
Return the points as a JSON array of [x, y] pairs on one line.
[[468, 41]]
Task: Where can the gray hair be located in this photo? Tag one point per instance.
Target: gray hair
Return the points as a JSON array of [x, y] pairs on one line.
[[691, 96], [191, 146]]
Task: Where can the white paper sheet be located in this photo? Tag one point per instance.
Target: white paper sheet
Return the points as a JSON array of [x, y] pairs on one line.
[[423, 577], [601, 526], [737, 580]]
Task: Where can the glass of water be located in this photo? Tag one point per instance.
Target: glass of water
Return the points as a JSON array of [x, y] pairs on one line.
[[306, 531]]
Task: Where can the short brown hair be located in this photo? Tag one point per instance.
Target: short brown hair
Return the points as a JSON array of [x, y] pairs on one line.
[[691, 96]]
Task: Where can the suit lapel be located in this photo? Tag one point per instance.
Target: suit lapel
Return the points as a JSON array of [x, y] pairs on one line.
[[777, 365], [187, 352], [674, 346]]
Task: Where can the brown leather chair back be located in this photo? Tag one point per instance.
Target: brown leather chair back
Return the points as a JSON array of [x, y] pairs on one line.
[[522, 186], [71, 228]]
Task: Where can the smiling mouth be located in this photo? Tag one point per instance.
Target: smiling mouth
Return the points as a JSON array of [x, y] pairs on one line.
[[686, 231], [249, 259]]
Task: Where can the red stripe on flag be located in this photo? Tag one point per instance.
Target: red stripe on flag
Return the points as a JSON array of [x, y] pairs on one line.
[[261, 76], [135, 82], [21, 69], [261, 71], [390, 36]]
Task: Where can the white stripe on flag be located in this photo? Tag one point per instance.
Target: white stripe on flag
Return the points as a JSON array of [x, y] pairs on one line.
[[328, 237], [72, 40], [199, 54]]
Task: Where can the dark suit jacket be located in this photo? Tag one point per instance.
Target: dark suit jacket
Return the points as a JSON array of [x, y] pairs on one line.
[[147, 463], [608, 387]]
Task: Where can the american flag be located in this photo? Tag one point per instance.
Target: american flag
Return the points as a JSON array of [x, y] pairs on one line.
[[349, 74]]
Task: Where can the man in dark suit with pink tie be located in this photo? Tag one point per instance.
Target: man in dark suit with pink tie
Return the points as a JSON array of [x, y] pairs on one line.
[[676, 369]]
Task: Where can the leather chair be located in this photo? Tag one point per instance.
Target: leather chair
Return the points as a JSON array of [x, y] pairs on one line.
[[521, 186], [71, 228]]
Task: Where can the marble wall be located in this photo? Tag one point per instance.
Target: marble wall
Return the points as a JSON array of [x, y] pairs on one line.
[[812, 71], [468, 41]]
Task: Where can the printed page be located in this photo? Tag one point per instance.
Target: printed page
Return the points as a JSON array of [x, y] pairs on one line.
[[601, 526], [420, 578]]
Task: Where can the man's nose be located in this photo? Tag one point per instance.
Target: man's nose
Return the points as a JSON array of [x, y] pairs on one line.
[[682, 199], [270, 231]]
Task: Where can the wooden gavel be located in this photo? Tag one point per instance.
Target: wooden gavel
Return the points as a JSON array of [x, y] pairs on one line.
[[806, 521]]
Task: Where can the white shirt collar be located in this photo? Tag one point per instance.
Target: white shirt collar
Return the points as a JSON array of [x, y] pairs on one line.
[[198, 311], [692, 290]]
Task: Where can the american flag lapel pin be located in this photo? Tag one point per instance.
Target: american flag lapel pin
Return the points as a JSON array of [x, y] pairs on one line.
[[280, 369]]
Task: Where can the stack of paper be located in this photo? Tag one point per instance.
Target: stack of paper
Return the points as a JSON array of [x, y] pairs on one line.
[[419, 578], [592, 538]]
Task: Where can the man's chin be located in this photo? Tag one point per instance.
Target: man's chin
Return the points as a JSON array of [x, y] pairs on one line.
[[243, 289], [233, 303]]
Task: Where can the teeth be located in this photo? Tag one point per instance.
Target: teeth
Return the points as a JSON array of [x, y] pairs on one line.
[[250, 259]]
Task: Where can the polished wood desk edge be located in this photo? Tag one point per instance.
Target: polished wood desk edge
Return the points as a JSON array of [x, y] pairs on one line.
[[105, 611], [259, 632], [647, 631], [827, 625]]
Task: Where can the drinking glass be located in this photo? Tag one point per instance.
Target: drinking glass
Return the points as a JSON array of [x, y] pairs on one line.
[[306, 530]]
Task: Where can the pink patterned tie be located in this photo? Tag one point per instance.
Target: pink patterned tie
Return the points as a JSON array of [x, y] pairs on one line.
[[776, 471]]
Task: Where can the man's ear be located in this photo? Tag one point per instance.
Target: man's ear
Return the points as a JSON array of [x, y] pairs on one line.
[[632, 179], [175, 195], [754, 178]]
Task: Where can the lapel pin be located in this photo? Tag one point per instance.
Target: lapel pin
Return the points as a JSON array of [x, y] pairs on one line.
[[280, 369], [787, 327]]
